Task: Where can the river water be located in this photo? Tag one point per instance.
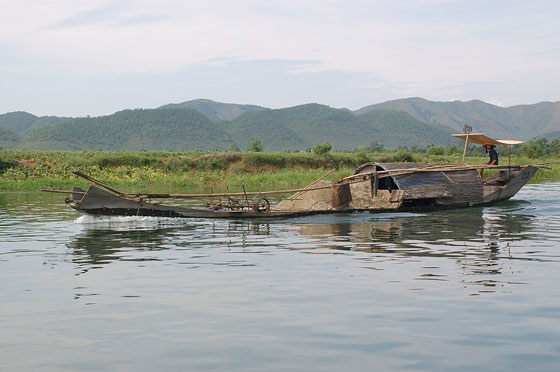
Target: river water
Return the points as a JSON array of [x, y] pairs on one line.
[[464, 290]]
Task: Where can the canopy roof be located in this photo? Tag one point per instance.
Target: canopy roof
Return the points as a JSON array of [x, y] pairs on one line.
[[482, 139]]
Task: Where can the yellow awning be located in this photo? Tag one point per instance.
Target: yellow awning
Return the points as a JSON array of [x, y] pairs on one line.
[[483, 139]]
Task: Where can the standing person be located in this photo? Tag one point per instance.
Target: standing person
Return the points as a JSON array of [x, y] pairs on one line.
[[492, 154]]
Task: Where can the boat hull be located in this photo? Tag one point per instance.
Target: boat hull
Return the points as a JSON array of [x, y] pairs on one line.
[[102, 203]]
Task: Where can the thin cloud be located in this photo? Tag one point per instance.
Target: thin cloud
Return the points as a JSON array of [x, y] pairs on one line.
[[113, 14], [97, 15]]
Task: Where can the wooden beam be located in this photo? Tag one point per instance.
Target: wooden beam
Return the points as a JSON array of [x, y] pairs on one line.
[[312, 183], [63, 191], [110, 188]]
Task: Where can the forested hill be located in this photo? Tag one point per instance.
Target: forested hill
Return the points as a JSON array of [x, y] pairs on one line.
[[294, 128], [522, 121], [21, 122], [216, 111], [408, 122], [157, 129], [302, 126]]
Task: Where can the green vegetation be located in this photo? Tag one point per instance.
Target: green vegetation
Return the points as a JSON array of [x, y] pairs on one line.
[[541, 148], [175, 129], [32, 170], [397, 128], [322, 148], [302, 127], [190, 171], [412, 127], [435, 150]]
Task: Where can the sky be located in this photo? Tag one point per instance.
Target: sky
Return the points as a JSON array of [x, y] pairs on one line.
[[78, 58]]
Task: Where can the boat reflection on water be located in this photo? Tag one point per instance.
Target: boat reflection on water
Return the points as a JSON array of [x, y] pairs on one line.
[[147, 239], [94, 248], [478, 240], [484, 227]]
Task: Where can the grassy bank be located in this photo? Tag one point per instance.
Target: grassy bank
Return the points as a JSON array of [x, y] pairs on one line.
[[22, 170]]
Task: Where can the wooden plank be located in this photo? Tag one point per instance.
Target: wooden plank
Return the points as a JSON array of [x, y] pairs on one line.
[[110, 188], [375, 184], [341, 195]]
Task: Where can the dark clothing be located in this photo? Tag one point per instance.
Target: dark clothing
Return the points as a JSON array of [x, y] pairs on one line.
[[493, 156]]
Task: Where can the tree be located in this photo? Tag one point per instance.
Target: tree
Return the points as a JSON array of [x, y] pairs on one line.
[[255, 145], [322, 148]]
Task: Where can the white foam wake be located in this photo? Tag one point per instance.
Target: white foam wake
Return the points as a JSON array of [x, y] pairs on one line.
[[131, 221]]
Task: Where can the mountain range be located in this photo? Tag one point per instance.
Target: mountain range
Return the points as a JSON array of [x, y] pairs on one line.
[[207, 125]]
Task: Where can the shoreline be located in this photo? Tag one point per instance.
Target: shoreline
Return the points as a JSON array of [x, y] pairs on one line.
[[22, 170]]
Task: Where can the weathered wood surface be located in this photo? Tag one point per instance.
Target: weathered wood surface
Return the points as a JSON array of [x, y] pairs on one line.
[[341, 195], [518, 178], [464, 187], [455, 183]]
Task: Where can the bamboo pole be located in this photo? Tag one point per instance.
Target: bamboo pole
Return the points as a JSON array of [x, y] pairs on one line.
[[63, 191], [509, 161], [195, 196], [312, 183], [375, 183], [465, 149]]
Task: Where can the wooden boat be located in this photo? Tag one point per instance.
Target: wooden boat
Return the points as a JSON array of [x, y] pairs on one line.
[[374, 187]]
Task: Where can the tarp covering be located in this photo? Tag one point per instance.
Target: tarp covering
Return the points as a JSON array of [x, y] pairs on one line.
[[483, 139]]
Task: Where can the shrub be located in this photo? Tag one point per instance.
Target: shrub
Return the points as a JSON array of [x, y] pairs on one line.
[[402, 156], [257, 159], [322, 148], [4, 165], [362, 157], [435, 150], [211, 163]]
